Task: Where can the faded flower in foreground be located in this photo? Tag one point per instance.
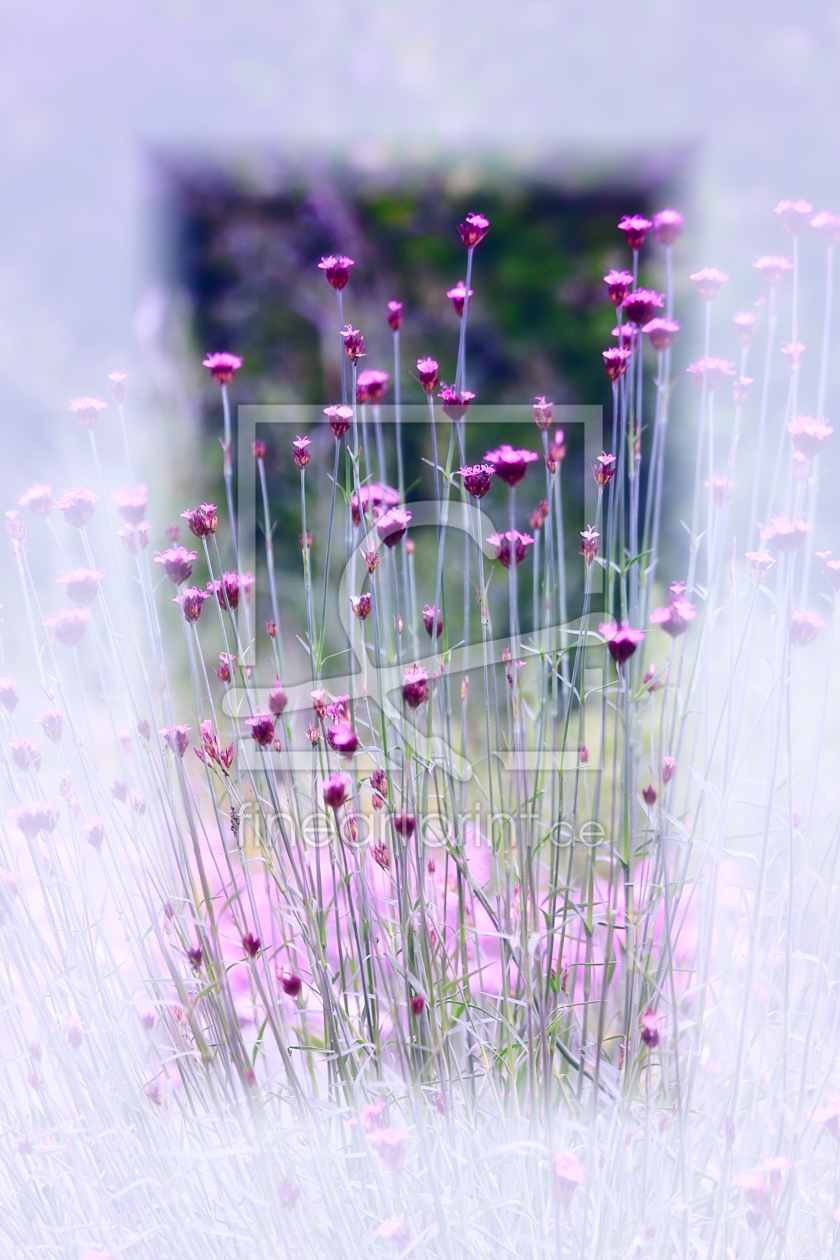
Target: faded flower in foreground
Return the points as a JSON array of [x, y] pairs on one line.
[[709, 282], [668, 226], [650, 1029], [772, 268], [77, 506], [335, 790], [804, 627], [390, 1145], [568, 1174], [784, 533], [86, 411], [713, 371], [809, 434]]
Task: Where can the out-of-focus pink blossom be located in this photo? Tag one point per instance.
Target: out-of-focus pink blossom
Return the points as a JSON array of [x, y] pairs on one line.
[[86, 411], [668, 226], [784, 533], [744, 322], [131, 504], [661, 332], [722, 489], [760, 562], [395, 315], [709, 282], [791, 352], [622, 640], [77, 506], [772, 268], [371, 386], [827, 227], [634, 227], [390, 1145], [392, 526], [81, 585], [794, 215], [619, 284], [458, 296], [741, 389], [641, 306], [38, 499], [222, 366], [715, 371], [809, 434], [474, 229], [415, 686], [510, 465], [568, 1175], [177, 563], [616, 361], [68, 625], [831, 569], [804, 626]]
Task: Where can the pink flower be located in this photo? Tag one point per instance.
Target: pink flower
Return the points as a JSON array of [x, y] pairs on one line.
[[760, 562], [177, 737], [289, 981], [418, 1004], [794, 215], [477, 479], [337, 270], [375, 499], [392, 526], [634, 227], [222, 366], [68, 625], [177, 563], [752, 1184], [38, 499], [135, 538], [454, 403], [668, 226], [262, 729], [619, 284], [809, 434], [94, 831], [300, 451], [474, 229], [669, 768], [744, 322], [77, 506], [404, 825], [30, 819], [361, 605], [395, 315], [502, 543], [709, 282], [716, 372], [791, 352], [603, 469], [510, 465], [641, 305], [433, 624], [616, 361], [26, 753], [342, 739], [86, 411], [589, 543], [118, 379], [396, 1232], [415, 687], [804, 627], [335, 791], [542, 412], [81, 585], [675, 618], [52, 724], [390, 1146], [202, 520], [831, 569], [371, 386], [772, 268], [721, 490], [784, 533], [9, 695], [190, 602], [649, 798], [741, 389], [227, 590], [339, 419], [251, 944], [569, 1175], [621, 641], [211, 751], [131, 504], [458, 296], [661, 332], [354, 343], [827, 227], [650, 1023], [427, 370], [257, 450]]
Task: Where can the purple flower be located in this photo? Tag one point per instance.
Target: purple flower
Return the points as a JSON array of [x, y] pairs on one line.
[[804, 627], [603, 469], [622, 640], [619, 284], [634, 227], [9, 695], [502, 543], [510, 465], [251, 944], [354, 343], [404, 825], [477, 479], [429, 620], [661, 332], [458, 296], [543, 410], [392, 525], [68, 625], [337, 270], [675, 618], [335, 791], [454, 403], [177, 737], [667, 226], [342, 739], [339, 419], [741, 389], [277, 698], [616, 361], [117, 386], [202, 520], [744, 322], [395, 315], [371, 386], [589, 543], [257, 450], [427, 370], [131, 504], [86, 411], [82, 585], [772, 268], [262, 728], [375, 499], [300, 451], [52, 724], [474, 229], [641, 305], [222, 366], [784, 533], [77, 506], [26, 753], [794, 215], [135, 538], [709, 282], [38, 499], [650, 1022], [227, 590], [177, 562], [94, 831], [569, 1175], [415, 688], [791, 352], [827, 227], [716, 371]]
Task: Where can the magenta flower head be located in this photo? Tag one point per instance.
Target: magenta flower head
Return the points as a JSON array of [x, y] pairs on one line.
[[202, 520], [222, 366], [391, 526], [791, 352], [38, 499], [257, 450], [77, 506], [474, 229], [81, 585], [227, 590], [52, 724], [772, 268], [668, 226], [661, 332], [616, 361], [395, 315], [290, 983], [510, 465], [621, 641], [603, 470], [277, 698], [342, 739], [502, 544], [634, 227], [337, 270], [827, 227], [784, 533], [131, 504], [568, 1174], [135, 538], [86, 411], [415, 688], [650, 1028], [190, 602], [804, 627], [68, 625], [454, 403], [361, 605], [589, 543], [9, 695], [458, 296], [716, 371], [404, 825], [809, 434], [675, 618], [339, 419], [177, 737], [262, 729], [641, 305], [619, 284], [429, 621], [760, 562], [741, 389], [335, 790], [427, 371], [669, 768], [744, 322], [300, 451], [543, 411], [794, 215], [477, 479], [371, 386], [251, 944], [354, 343], [375, 500], [177, 563], [709, 282]]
